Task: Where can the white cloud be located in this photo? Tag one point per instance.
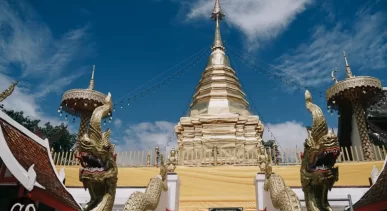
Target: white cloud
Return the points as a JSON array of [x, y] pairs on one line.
[[363, 40], [118, 123], [30, 53], [148, 134], [257, 19], [288, 134], [22, 100]]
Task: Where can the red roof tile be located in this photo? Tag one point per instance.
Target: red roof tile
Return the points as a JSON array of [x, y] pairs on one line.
[[377, 192], [28, 152]]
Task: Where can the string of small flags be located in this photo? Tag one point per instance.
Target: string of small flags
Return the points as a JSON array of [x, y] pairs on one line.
[[272, 75], [186, 107], [282, 78], [200, 52], [256, 110], [164, 82], [198, 57]]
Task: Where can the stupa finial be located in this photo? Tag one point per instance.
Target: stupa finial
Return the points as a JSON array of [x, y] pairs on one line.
[[91, 85], [217, 15], [347, 68], [333, 76]]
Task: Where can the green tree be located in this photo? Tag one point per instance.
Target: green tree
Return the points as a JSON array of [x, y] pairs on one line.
[[270, 144], [19, 117], [66, 140], [64, 143]]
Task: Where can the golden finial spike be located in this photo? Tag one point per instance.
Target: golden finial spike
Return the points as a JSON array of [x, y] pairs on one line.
[[347, 68], [92, 74], [217, 15], [333, 76], [8, 91], [91, 85]]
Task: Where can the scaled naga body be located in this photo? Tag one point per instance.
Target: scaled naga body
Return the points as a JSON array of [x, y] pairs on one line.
[[282, 197], [149, 200], [321, 150]]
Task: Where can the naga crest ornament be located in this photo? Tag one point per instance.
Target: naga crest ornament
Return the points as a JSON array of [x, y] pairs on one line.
[[321, 150]]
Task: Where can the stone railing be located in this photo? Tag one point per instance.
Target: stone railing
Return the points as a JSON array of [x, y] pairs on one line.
[[285, 156]]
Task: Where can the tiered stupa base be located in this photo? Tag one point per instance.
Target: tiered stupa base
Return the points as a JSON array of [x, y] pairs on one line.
[[234, 137]]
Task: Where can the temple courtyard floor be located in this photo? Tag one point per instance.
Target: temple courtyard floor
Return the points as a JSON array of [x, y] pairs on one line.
[[225, 186]]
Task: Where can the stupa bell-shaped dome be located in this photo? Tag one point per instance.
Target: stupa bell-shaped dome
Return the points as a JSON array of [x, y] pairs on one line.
[[219, 90]]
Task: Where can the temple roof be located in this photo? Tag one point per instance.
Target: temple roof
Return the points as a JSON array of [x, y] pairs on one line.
[[377, 192], [378, 109], [219, 90], [29, 159]]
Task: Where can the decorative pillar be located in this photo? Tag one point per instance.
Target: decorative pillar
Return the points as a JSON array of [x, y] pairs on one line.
[[275, 153], [84, 124], [359, 90], [215, 155], [157, 156], [363, 132], [173, 192]]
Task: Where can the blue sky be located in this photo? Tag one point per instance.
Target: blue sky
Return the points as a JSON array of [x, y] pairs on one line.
[[50, 46]]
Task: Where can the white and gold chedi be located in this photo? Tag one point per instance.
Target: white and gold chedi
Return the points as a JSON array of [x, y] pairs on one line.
[[219, 119]]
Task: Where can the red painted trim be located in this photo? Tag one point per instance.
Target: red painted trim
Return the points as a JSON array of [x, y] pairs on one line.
[[21, 191], [375, 206], [8, 180], [38, 194], [263, 209], [2, 172], [4, 179]]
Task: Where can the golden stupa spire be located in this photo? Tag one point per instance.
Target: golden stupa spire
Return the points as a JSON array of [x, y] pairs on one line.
[[91, 85], [8, 91], [217, 15], [347, 68]]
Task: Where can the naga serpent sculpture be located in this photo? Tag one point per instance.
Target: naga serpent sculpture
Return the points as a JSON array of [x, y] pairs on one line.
[[149, 200], [321, 150], [99, 169], [282, 197]]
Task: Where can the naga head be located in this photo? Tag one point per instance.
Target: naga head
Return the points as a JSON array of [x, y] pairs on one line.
[[321, 149], [96, 153]]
